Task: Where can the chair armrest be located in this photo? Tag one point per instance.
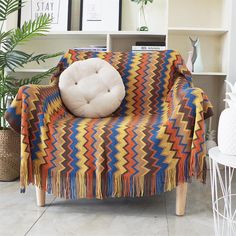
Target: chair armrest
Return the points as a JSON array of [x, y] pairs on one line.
[[31, 102], [183, 93], [30, 114], [188, 107]]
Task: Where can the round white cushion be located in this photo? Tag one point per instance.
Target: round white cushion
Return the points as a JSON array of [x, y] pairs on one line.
[[91, 88]]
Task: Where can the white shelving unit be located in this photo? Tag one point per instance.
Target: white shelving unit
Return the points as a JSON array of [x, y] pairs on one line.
[[170, 20], [114, 41], [211, 22], [197, 31]]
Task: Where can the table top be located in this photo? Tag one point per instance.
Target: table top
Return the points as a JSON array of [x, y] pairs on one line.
[[224, 159]]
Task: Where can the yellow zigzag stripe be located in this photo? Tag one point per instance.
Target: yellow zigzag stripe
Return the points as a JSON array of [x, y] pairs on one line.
[[133, 74], [60, 150], [197, 101], [98, 151], [149, 87], [142, 170], [120, 160], [81, 191], [24, 161]]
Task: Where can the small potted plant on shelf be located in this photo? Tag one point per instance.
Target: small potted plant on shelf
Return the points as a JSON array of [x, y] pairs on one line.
[[11, 58], [142, 19]]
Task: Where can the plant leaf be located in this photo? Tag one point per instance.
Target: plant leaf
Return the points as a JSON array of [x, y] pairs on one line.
[[29, 30], [43, 57], [37, 78], [13, 59], [4, 36], [7, 7]]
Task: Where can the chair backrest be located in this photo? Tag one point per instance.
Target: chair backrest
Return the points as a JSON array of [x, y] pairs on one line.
[[147, 77]]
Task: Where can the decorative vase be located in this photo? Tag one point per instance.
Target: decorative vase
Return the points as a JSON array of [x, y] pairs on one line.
[[189, 63], [227, 125], [197, 56], [142, 19]]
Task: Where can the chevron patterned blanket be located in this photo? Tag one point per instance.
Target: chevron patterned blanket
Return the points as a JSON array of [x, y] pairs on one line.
[[153, 142]]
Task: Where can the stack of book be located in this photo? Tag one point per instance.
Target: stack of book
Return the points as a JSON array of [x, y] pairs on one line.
[[93, 48], [148, 47]]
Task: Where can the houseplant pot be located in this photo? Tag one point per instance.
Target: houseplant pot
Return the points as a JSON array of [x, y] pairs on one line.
[[9, 155]]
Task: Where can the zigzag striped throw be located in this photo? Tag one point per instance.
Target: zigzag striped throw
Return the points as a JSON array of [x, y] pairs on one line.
[[153, 142]]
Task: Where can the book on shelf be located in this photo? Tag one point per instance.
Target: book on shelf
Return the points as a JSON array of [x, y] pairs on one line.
[[148, 48], [93, 48], [152, 43], [143, 51]]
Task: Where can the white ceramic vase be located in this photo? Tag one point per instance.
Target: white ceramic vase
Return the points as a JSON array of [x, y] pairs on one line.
[[227, 131], [189, 63], [198, 65]]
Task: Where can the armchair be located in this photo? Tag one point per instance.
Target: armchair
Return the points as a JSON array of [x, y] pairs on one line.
[[153, 143]]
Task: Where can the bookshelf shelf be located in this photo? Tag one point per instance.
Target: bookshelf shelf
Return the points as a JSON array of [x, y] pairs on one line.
[[99, 34], [218, 74], [36, 70], [197, 31]]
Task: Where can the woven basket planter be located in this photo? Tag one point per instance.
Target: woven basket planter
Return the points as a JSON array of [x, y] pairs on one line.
[[9, 155]]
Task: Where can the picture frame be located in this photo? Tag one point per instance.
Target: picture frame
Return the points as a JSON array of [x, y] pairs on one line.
[[95, 17], [60, 10]]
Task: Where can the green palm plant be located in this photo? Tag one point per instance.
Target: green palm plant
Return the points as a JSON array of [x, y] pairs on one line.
[[11, 58]]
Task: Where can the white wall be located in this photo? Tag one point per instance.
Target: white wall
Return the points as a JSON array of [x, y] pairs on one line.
[[232, 68]]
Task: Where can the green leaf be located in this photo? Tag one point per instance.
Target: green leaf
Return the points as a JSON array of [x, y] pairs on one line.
[[29, 30], [13, 59], [4, 36], [37, 78], [17, 59], [43, 57], [7, 7]]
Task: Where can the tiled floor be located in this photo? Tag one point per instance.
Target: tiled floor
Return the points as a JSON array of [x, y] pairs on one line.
[[153, 216]]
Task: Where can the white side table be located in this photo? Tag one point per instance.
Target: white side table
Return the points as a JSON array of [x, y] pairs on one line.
[[223, 200]]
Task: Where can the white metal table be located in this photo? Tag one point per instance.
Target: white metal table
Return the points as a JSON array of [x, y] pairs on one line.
[[223, 200]]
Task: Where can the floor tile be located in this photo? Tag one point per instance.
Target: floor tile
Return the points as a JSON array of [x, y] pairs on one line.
[[118, 217], [153, 216], [198, 219], [18, 212]]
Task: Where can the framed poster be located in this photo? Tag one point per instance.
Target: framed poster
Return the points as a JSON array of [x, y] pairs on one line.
[[59, 10], [100, 15]]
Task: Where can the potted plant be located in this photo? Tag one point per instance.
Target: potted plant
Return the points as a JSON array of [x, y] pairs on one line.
[[142, 19], [11, 58]]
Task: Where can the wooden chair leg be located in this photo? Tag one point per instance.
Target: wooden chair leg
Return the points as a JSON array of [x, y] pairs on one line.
[[181, 195], [40, 197]]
